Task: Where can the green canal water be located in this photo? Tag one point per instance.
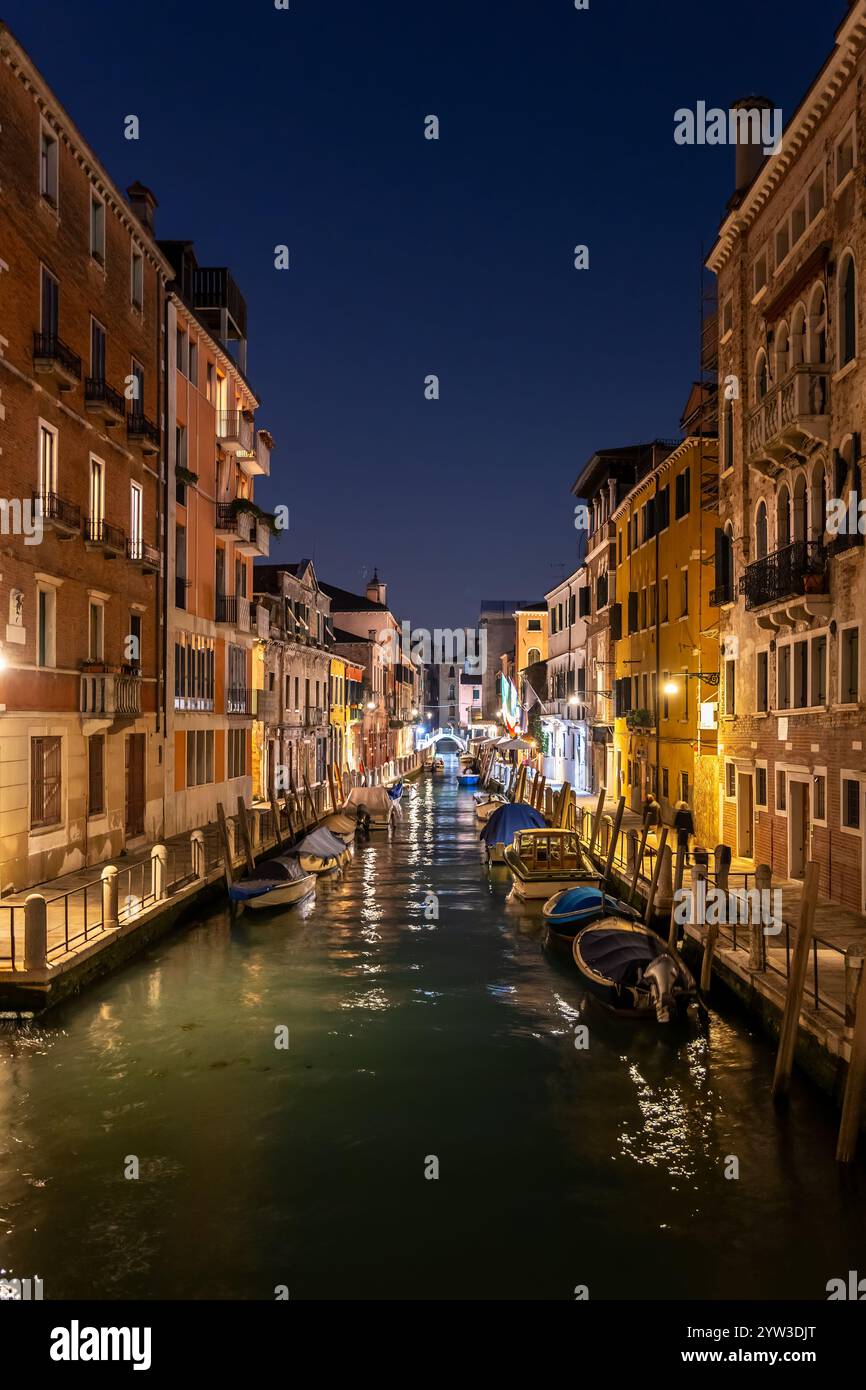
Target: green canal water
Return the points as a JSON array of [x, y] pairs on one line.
[[411, 1036]]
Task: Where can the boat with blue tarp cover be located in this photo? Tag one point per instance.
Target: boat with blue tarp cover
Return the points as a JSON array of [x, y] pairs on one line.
[[277, 882], [502, 826], [569, 911], [321, 851], [632, 971]]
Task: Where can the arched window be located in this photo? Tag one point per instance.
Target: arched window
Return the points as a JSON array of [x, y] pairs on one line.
[[799, 517], [762, 376], [797, 352], [761, 532], [818, 502], [847, 310], [783, 517], [817, 336], [729, 435], [782, 352], [532, 656]]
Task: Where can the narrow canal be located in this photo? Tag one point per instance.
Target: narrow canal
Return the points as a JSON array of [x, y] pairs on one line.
[[410, 1037]]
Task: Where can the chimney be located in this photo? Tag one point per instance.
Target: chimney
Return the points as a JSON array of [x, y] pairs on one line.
[[750, 153], [376, 590], [143, 204]]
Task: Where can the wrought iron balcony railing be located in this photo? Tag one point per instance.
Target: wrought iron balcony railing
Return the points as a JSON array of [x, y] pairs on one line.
[[239, 700], [98, 394], [227, 609], [143, 554], [49, 351], [98, 531], [139, 427], [58, 512], [794, 570]]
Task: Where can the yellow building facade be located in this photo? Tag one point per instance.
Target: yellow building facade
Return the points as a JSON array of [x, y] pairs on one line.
[[666, 638], [339, 713], [530, 637]]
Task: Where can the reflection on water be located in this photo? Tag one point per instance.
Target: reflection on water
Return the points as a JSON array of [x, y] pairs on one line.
[[425, 1017]]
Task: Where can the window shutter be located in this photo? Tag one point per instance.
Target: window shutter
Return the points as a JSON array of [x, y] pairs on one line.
[[616, 622], [632, 611], [584, 601]]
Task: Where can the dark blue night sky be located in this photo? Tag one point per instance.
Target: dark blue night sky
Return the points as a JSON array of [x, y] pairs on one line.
[[411, 257]]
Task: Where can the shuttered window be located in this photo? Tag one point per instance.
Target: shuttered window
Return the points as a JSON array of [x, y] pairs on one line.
[[45, 786], [96, 775]]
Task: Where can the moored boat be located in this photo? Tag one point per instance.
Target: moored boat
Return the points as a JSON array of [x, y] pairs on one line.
[[321, 851], [632, 971], [544, 860], [375, 803], [572, 909], [486, 803], [469, 777], [503, 824], [278, 882], [341, 825], [438, 767]]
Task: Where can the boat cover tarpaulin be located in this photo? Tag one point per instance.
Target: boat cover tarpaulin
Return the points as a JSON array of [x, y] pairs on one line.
[[321, 844], [504, 824], [264, 877], [616, 953], [373, 799], [396, 791], [340, 824], [584, 904]]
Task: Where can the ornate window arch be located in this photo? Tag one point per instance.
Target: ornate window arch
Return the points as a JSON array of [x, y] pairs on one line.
[[817, 326], [818, 501], [782, 351], [799, 349], [762, 375], [847, 309], [783, 517], [762, 537]]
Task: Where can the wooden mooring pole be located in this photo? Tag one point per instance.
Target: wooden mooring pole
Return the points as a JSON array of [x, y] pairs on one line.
[[243, 822], [796, 984], [596, 824], [225, 844], [638, 863], [614, 836], [657, 868], [855, 1082]]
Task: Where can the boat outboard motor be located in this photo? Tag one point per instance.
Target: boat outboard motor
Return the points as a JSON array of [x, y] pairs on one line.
[[662, 975]]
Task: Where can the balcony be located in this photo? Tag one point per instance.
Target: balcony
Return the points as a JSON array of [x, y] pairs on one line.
[[109, 695], [140, 553], [789, 586], [239, 700], [258, 463], [235, 431], [793, 418], [237, 525], [102, 399], [138, 427], [265, 706], [263, 622], [258, 539], [227, 610], [102, 535], [58, 514], [52, 355], [723, 593], [243, 619]]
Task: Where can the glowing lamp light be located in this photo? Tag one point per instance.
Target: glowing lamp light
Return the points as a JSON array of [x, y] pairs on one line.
[[371, 704], [670, 687], [574, 700]]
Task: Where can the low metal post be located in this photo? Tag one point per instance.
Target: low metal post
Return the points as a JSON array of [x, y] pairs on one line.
[[35, 933], [197, 854], [158, 872]]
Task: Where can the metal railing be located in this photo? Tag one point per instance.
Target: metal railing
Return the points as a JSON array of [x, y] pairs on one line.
[[56, 509], [139, 427], [98, 392], [227, 609], [788, 573], [141, 553], [50, 347], [239, 700], [98, 531]]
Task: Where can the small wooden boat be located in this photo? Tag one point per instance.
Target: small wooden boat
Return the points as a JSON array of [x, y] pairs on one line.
[[632, 971], [503, 824], [438, 767], [375, 803], [278, 882], [572, 909], [341, 825], [321, 852], [542, 861], [468, 778]]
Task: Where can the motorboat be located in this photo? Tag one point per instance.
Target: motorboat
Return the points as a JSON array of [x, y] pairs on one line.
[[321, 851], [437, 767], [503, 824], [632, 971], [375, 803], [572, 909], [469, 776], [486, 803], [278, 882], [543, 861]]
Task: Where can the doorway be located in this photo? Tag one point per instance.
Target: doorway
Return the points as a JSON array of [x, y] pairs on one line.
[[745, 816], [798, 827], [135, 790]]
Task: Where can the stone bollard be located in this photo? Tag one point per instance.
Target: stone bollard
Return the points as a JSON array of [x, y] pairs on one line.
[[158, 872], [198, 857], [35, 933], [853, 978], [757, 935], [109, 897]]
